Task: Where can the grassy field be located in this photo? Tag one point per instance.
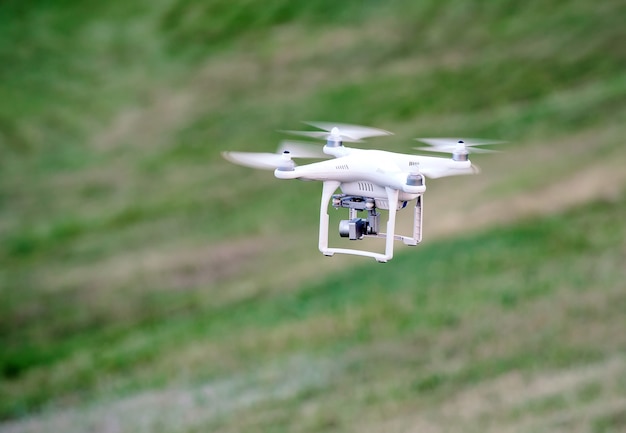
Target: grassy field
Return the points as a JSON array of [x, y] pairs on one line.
[[147, 285]]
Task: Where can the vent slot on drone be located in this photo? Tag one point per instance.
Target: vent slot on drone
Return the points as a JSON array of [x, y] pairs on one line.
[[365, 186]]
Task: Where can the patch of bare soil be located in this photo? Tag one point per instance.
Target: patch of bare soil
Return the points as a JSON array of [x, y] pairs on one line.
[[177, 268]]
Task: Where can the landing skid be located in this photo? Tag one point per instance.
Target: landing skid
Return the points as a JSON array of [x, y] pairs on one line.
[[329, 187]]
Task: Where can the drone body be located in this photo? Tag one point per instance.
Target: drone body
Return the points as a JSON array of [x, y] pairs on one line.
[[369, 180]]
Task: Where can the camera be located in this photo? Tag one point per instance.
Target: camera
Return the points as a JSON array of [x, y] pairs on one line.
[[354, 229]]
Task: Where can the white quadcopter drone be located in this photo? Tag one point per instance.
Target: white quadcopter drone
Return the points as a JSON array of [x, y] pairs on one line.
[[369, 179]]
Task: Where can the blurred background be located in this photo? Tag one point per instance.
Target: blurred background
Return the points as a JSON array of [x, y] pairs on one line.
[[148, 285]]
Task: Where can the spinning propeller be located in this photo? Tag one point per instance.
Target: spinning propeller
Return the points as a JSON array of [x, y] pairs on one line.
[[335, 133], [282, 159], [339, 132], [456, 145]]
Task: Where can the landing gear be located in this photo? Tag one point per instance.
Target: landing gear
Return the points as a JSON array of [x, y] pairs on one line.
[[356, 228]]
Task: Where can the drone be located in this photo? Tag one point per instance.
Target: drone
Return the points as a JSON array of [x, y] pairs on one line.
[[370, 180]]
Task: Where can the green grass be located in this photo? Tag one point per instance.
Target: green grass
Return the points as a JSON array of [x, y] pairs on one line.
[[114, 203], [503, 273]]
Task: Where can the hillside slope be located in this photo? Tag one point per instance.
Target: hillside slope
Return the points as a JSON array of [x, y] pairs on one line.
[[134, 260], [526, 334]]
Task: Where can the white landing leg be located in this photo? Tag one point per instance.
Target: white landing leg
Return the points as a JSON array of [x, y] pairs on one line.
[[328, 189], [417, 224], [392, 195]]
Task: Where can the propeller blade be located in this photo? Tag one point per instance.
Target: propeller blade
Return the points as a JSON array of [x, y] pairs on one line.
[[323, 135], [264, 161], [302, 149], [341, 132], [357, 132], [469, 142], [451, 145], [451, 149]]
